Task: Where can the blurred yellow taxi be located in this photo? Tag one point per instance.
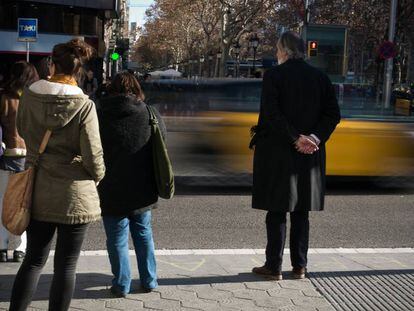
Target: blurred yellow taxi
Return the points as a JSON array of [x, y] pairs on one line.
[[357, 147], [218, 114]]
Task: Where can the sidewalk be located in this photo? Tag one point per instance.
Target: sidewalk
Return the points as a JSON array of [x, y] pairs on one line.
[[354, 279]]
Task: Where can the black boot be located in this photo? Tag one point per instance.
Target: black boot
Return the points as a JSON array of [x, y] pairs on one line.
[[3, 255], [18, 256]]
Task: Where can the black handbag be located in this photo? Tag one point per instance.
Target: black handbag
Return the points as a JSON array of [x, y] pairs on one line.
[[164, 175]]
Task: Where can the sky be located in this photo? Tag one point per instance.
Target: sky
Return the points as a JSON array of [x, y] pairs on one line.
[[137, 10]]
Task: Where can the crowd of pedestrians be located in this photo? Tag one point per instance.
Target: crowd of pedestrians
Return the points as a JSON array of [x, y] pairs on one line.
[[98, 162]]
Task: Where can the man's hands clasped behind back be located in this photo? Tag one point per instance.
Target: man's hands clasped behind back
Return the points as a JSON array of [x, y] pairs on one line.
[[306, 144]]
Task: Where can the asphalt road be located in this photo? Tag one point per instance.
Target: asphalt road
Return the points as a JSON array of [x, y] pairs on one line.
[[356, 216]]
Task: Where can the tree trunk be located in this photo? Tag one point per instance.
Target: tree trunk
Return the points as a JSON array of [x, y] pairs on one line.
[[225, 56], [410, 65]]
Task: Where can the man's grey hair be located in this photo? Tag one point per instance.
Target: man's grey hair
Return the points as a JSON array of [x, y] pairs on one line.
[[293, 45]]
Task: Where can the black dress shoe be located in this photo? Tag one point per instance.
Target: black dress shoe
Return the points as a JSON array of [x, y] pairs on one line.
[[3, 255], [117, 293], [146, 290], [18, 256]]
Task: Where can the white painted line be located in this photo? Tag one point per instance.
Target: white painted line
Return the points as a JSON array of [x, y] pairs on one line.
[[163, 252], [223, 251], [260, 251], [326, 250], [346, 250], [249, 251], [203, 252], [366, 250], [244, 251]]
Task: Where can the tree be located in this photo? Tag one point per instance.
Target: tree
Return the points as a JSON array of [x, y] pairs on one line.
[[188, 29], [180, 30]]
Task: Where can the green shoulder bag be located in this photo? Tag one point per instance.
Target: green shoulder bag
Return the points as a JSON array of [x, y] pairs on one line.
[[163, 171]]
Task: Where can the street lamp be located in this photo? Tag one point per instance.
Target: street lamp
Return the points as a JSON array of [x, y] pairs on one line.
[[254, 43], [201, 65], [219, 54], [210, 59], [185, 67], [236, 49], [191, 62]]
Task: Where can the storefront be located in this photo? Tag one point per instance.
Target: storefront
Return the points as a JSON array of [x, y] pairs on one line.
[[58, 21]]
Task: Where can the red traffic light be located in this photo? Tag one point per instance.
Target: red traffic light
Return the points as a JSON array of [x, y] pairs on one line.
[[312, 48], [313, 45]]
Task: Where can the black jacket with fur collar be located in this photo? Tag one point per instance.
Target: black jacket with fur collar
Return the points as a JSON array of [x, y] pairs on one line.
[[129, 185]]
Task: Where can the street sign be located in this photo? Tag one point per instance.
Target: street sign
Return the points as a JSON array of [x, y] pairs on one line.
[[387, 50], [27, 29]]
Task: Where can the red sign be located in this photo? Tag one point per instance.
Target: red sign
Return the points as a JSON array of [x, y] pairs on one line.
[[387, 50]]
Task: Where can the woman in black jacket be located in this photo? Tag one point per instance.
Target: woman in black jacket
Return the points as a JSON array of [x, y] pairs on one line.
[[128, 192]]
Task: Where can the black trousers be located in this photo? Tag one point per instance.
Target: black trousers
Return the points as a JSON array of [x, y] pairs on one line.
[[68, 247], [276, 236]]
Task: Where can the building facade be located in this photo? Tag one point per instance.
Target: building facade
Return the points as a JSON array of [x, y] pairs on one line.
[[58, 22]]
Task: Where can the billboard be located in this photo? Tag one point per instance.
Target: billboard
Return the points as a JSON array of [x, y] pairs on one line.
[[93, 4]]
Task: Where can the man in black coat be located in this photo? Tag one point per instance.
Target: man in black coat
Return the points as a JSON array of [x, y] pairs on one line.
[[298, 113]]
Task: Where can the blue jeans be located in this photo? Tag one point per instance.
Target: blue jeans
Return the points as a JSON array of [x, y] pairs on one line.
[[117, 232]]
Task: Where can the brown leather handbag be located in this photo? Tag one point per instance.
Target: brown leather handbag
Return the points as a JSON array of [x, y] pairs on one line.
[[17, 200]]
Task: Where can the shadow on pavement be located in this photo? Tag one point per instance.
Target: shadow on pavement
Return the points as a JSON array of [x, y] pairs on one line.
[[96, 285], [363, 273]]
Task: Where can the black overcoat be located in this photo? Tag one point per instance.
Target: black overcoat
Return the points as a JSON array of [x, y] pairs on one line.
[[129, 185], [296, 99]]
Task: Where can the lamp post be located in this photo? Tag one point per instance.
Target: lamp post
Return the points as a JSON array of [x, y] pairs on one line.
[[191, 62], [219, 54], [236, 48], [185, 67], [201, 65], [210, 59], [254, 43]]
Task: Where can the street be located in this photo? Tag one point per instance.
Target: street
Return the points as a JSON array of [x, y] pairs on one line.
[[222, 218], [208, 239]]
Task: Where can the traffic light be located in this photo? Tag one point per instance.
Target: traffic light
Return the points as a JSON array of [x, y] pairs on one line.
[[312, 48], [122, 46], [115, 56]]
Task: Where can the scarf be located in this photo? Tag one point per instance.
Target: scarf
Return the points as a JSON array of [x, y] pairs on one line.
[[64, 79]]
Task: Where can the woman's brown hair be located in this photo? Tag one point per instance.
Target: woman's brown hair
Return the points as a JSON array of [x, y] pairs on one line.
[[69, 57], [126, 83], [22, 74]]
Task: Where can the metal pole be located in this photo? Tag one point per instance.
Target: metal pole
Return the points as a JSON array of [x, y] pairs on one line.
[[305, 23], [254, 61], [238, 66], [27, 50], [390, 62]]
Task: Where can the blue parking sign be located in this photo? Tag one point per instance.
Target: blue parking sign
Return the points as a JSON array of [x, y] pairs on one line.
[[27, 29]]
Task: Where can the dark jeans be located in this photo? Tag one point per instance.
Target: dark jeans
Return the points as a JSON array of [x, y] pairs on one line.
[[68, 247], [276, 236]]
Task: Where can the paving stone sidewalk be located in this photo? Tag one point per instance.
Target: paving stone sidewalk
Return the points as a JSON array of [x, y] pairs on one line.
[[352, 281]]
